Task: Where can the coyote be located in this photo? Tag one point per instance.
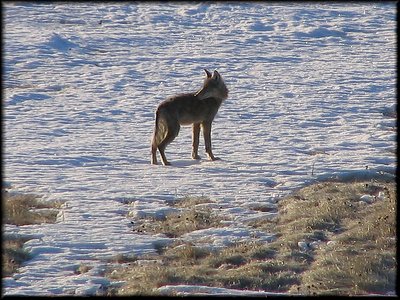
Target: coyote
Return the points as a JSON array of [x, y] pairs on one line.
[[197, 108]]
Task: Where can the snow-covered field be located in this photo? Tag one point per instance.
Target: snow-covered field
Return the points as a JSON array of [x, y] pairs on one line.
[[312, 95]]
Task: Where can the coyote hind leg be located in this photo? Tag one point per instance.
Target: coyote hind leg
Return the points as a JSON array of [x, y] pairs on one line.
[[154, 154], [172, 133], [164, 160]]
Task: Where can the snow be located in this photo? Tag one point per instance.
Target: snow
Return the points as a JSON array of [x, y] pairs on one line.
[[184, 290], [312, 95], [217, 238]]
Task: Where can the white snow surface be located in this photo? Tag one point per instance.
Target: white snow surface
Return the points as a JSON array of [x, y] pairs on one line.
[[312, 95], [184, 290]]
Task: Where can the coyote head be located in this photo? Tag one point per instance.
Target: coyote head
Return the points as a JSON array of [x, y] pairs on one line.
[[213, 87]]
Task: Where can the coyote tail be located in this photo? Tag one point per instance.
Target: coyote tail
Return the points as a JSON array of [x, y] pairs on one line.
[[160, 131]]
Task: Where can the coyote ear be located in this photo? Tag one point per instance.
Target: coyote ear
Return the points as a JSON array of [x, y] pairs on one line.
[[208, 73], [216, 75]]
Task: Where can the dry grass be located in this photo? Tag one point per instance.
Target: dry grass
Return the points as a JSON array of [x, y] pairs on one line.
[[83, 268], [22, 209], [359, 258], [190, 201], [363, 258], [26, 209], [245, 266], [193, 216], [13, 255]]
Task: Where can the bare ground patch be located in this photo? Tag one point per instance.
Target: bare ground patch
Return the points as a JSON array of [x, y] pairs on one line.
[[22, 209], [336, 238]]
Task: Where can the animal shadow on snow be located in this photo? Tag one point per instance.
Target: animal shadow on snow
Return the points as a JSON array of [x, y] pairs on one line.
[[184, 163]]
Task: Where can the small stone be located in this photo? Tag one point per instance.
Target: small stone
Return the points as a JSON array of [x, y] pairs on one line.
[[303, 246], [367, 198], [315, 245], [331, 243]]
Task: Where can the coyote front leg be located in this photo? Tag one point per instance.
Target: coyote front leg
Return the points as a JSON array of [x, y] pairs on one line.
[[207, 139], [195, 140]]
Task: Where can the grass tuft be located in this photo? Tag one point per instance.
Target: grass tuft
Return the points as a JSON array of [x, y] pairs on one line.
[[13, 254], [192, 216], [27, 209], [22, 209]]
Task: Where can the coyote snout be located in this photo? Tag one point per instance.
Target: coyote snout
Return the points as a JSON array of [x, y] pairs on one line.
[[197, 108]]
